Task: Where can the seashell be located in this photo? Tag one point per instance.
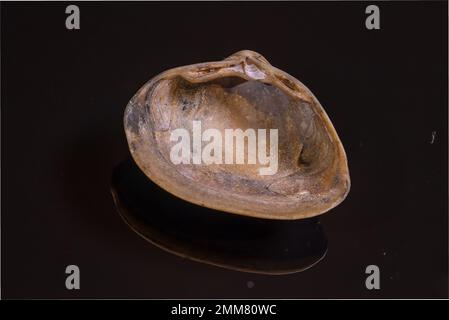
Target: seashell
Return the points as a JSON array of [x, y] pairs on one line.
[[290, 163]]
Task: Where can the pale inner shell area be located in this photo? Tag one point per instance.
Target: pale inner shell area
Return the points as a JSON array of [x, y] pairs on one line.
[[304, 147]]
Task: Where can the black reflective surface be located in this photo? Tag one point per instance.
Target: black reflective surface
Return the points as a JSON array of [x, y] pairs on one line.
[[214, 237]]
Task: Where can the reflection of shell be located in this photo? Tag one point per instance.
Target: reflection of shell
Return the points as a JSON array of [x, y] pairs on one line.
[[243, 91], [201, 234]]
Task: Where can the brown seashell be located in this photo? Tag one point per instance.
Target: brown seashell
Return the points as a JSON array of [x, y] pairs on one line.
[[241, 92]]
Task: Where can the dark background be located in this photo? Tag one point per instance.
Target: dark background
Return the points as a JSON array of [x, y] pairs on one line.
[[63, 97]]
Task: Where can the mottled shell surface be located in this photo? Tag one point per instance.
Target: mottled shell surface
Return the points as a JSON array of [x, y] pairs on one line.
[[243, 91]]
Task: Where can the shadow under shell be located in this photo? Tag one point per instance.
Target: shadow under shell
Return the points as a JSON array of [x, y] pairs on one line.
[[214, 237]]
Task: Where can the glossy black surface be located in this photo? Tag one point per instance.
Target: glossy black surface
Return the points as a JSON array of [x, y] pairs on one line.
[[214, 237], [63, 97]]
